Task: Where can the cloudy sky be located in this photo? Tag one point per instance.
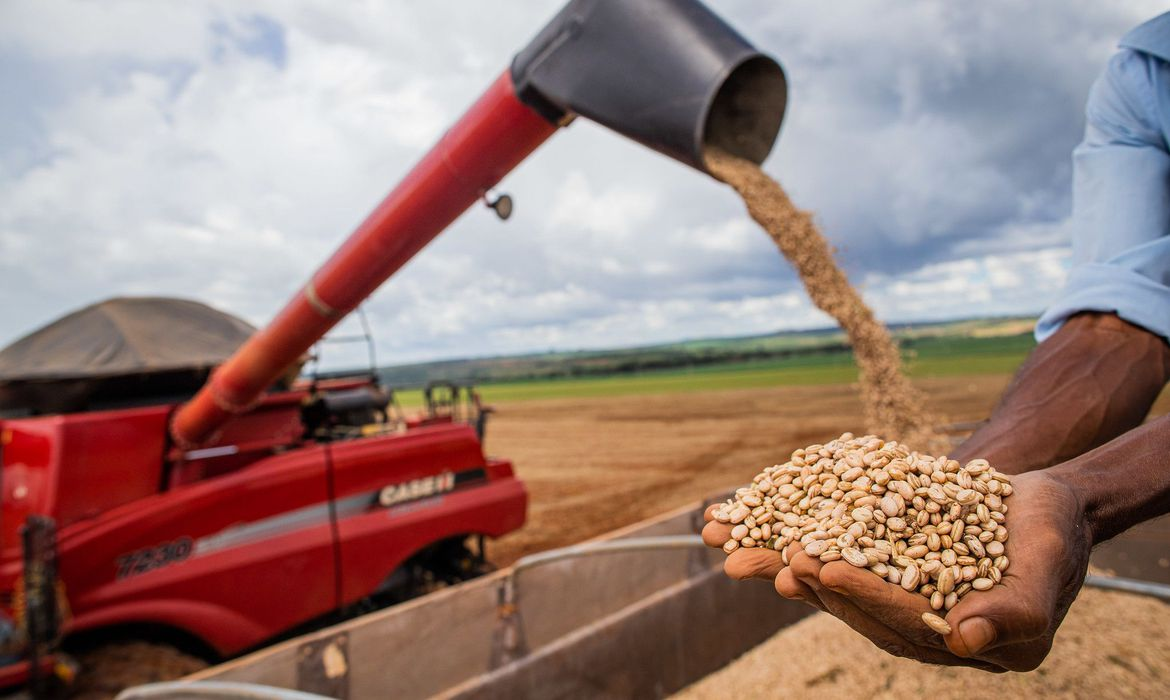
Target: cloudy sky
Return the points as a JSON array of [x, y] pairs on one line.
[[221, 150]]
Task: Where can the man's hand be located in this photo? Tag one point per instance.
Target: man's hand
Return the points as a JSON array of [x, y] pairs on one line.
[[754, 562], [1008, 628]]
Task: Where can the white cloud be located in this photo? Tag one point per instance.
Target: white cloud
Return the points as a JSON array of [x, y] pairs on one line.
[[613, 213], [991, 285], [74, 29], [222, 150]]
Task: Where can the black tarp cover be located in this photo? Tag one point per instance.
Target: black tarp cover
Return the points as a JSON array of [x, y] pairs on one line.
[[127, 339]]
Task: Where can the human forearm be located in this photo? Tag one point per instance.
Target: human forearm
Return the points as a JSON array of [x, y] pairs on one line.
[[1090, 382], [1124, 482]]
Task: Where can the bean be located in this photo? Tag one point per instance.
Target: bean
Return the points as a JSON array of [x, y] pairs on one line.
[[936, 623], [855, 557]]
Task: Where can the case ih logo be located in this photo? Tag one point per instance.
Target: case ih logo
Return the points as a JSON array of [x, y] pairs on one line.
[[417, 488]]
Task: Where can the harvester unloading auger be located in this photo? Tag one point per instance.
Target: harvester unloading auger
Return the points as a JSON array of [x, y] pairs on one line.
[[666, 73]]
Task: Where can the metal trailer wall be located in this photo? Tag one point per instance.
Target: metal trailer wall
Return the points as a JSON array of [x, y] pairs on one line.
[[629, 624], [1141, 553]]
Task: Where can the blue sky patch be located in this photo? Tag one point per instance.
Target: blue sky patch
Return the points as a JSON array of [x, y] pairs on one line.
[[252, 35]]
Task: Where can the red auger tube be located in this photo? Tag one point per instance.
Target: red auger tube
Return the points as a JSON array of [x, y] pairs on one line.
[[492, 138]]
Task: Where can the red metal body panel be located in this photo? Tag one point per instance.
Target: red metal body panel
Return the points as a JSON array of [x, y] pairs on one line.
[[76, 466], [374, 544], [376, 541], [495, 135], [274, 424], [232, 596]]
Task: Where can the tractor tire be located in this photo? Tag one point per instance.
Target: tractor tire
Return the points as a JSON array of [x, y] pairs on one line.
[[109, 668]]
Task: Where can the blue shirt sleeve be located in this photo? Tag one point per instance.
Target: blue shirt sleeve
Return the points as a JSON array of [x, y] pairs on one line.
[[1121, 200]]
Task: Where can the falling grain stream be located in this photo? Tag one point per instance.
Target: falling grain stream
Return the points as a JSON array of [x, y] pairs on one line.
[[893, 407]]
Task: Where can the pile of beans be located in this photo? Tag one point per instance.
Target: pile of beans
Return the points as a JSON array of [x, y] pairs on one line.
[[928, 524]]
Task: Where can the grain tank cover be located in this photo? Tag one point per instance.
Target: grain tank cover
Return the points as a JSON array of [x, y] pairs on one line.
[[126, 336], [669, 74], [127, 346]]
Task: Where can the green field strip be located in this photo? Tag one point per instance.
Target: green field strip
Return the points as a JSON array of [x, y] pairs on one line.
[[926, 362]]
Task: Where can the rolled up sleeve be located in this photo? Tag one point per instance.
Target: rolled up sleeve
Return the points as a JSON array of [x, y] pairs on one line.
[[1121, 201]]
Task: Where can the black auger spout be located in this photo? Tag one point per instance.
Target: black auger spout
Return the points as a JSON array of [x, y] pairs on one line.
[[669, 74]]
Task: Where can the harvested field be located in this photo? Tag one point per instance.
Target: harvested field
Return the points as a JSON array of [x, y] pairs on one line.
[[1111, 645]]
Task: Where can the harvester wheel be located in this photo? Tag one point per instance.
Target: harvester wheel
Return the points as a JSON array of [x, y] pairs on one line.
[[111, 667]]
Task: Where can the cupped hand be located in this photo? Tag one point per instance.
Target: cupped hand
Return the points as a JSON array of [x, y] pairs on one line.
[[1007, 628], [800, 581], [745, 562]]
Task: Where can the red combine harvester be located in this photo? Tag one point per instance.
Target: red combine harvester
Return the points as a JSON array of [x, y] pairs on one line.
[[224, 519], [317, 499]]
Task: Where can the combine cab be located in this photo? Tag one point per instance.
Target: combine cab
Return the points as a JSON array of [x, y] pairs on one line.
[[319, 501]]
